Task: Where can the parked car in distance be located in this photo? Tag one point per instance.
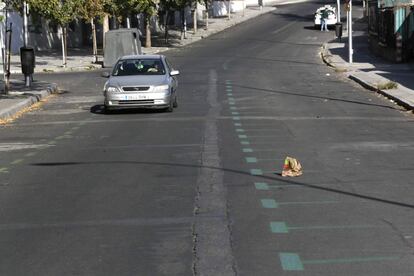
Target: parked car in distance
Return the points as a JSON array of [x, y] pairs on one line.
[[141, 81], [331, 16]]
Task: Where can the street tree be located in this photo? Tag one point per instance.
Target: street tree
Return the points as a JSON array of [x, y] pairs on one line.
[[62, 12], [89, 11]]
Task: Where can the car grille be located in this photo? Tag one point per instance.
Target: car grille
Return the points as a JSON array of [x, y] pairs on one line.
[[137, 102], [135, 88]]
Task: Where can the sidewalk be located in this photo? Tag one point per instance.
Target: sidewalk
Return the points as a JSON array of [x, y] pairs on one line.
[[20, 98], [82, 59], [372, 72]]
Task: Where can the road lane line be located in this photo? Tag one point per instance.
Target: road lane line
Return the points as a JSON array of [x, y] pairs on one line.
[[17, 161], [4, 170], [279, 227], [352, 260], [284, 27]]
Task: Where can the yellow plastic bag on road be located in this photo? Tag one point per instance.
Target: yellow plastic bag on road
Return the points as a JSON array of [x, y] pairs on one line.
[[291, 167]]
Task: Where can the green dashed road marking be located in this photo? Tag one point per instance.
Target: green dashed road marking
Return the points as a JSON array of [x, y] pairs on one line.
[[242, 136], [277, 204], [264, 186], [239, 130], [232, 103], [318, 227], [308, 202], [267, 159], [30, 154], [256, 172], [235, 113], [236, 118], [352, 260], [269, 203], [290, 262], [237, 124], [17, 161], [251, 160], [261, 186], [247, 150], [245, 143], [231, 99], [233, 108]]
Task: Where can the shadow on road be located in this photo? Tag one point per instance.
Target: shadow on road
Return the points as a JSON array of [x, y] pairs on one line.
[[277, 178], [99, 109]]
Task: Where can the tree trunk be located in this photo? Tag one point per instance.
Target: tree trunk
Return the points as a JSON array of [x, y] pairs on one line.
[[128, 22], [207, 7], [105, 29], [183, 25], [147, 31], [195, 19], [64, 48], [94, 44], [166, 20]]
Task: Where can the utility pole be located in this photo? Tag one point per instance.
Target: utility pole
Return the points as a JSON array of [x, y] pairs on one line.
[[25, 30], [338, 15], [229, 9], [350, 48]]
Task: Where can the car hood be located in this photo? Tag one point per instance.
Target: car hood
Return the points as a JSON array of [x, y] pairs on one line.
[[137, 80]]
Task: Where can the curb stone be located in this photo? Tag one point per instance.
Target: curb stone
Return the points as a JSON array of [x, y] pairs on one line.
[[392, 94], [34, 97]]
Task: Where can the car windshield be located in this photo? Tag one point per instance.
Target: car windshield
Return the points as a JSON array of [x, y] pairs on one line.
[[133, 67]]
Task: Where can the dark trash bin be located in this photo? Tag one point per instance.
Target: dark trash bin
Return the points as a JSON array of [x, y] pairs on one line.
[[338, 30], [27, 59]]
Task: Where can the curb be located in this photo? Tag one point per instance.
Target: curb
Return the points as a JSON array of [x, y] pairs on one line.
[[325, 53], [386, 93], [35, 96], [56, 69]]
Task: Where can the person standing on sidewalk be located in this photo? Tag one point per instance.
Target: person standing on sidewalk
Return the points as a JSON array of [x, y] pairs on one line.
[[324, 20]]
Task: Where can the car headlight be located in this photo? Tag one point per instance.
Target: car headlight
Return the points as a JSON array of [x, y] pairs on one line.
[[161, 88], [112, 89]]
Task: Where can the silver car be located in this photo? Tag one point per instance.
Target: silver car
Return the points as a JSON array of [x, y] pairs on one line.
[[141, 81]]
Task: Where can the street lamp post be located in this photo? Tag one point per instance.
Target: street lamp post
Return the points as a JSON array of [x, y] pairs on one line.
[[350, 48]]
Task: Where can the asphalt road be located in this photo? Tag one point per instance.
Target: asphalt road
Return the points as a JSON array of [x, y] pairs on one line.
[[152, 193]]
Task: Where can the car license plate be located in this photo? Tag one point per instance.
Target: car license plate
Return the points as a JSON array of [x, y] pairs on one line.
[[135, 97]]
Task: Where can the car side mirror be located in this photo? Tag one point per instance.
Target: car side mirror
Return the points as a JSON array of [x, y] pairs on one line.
[[174, 73], [105, 74]]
